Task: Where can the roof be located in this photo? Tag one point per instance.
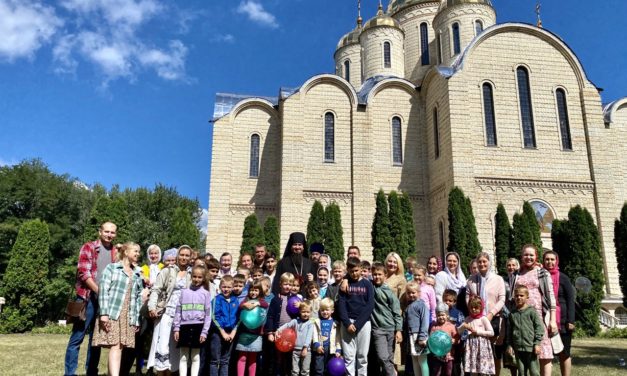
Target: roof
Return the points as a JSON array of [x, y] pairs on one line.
[[225, 102]]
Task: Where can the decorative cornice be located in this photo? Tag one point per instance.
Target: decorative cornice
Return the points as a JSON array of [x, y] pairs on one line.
[[250, 208], [438, 193], [328, 196], [414, 197], [534, 186]]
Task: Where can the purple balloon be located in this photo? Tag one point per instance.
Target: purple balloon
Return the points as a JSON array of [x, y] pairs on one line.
[[336, 367], [292, 309]]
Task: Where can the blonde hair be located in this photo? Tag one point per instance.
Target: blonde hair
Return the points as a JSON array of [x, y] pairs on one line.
[[399, 262], [304, 305], [122, 248], [412, 286], [327, 303], [339, 264], [287, 278]]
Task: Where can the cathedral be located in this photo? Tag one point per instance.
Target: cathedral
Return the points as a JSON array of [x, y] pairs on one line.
[[426, 95]]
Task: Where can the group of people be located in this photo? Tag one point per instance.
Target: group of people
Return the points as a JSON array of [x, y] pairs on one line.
[[203, 316]]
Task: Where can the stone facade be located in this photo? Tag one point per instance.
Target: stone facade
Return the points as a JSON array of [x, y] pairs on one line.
[[441, 110]]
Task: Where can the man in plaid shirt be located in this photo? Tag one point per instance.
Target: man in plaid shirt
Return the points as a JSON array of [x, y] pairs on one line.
[[92, 260]]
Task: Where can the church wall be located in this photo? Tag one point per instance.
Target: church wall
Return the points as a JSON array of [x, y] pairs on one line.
[[372, 41], [351, 53]]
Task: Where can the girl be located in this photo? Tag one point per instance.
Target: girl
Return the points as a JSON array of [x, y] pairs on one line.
[[323, 280], [119, 299], [434, 265], [427, 293], [417, 329], [304, 327], [313, 297], [478, 349], [296, 288], [443, 365], [249, 341], [192, 320]]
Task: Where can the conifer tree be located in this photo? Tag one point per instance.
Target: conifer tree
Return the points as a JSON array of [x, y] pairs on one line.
[[25, 277], [252, 234], [315, 226], [620, 242], [408, 223], [184, 230], [471, 232], [521, 234], [272, 235], [398, 231], [534, 226], [333, 233], [457, 235], [381, 239], [502, 239]]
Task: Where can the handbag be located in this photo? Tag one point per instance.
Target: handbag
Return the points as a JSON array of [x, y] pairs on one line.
[[75, 310]]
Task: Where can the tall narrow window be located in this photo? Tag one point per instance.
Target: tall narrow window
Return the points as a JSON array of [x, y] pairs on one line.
[[254, 156], [347, 70], [387, 55], [424, 43], [329, 137], [562, 111], [457, 47], [441, 239], [488, 110], [436, 134], [526, 111], [439, 48], [478, 27], [397, 141]]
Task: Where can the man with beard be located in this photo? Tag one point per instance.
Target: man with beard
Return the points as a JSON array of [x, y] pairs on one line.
[[295, 261]]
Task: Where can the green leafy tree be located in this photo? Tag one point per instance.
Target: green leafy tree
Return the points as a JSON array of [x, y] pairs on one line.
[[534, 226], [252, 234], [108, 208], [184, 230], [463, 237], [380, 233], [333, 233], [272, 235], [408, 222], [398, 231], [620, 242], [315, 226], [25, 278], [578, 243], [502, 239]]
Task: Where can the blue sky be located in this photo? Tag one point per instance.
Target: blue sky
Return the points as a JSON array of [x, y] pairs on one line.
[[121, 91]]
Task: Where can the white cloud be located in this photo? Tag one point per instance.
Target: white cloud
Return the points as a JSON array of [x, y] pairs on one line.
[[12, 162], [121, 12], [169, 65], [256, 13], [202, 221], [223, 38], [24, 27]]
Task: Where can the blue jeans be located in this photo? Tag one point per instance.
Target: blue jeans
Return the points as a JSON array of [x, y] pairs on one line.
[[320, 361], [79, 330], [220, 353]]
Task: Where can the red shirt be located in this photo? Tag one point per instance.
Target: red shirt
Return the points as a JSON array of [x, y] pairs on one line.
[[88, 266]]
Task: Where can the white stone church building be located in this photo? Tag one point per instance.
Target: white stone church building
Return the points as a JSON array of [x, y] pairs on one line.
[[426, 95]]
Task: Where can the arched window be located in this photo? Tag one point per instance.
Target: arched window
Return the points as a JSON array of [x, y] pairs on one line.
[[544, 215], [436, 134], [441, 239], [253, 170], [562, 110], [424, 43], [347, 70], [387, 55], [457, 47], [439, 48], [329, 137], [526, 111], [488, 110], [397, 141], [478, 27]]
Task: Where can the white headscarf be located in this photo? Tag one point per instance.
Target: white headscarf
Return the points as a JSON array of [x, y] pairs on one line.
[[457, 281], [154, 268]]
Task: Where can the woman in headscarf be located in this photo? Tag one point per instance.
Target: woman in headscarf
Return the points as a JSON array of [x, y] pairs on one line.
[[433, 265], [490, 287], [565, 308], [295, 261], [541, 297], [452, 277]]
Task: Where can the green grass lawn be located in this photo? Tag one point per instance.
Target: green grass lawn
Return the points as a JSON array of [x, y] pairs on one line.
[[43, 354]]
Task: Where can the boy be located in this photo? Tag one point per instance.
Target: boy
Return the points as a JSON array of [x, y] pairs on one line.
[[365, 269], [240, 289], [271, 266], [338, 271], [213, 268], [386, 320], [355, 307], [303, 326], [224, 326], [325, 340], [456, 317], [410, 264], [256, 272], [443, 365], [277, 316], [525, 334]]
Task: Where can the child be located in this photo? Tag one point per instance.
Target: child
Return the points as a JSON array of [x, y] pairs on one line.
[[443, 365], [325, 338], [213, 268], [277, 316], [249, 341], [417, 327], [430, 280], [323, 280], [192, 320], [270, 266], [313, 297], [239, 287], [301, 356], [386, 320], [525, 334], [338, 271], [355, 307], [256, 272], [296, 287], [365, 269], [224, 327], [449, 297], [427, 293], [410, 264], [478, 356]]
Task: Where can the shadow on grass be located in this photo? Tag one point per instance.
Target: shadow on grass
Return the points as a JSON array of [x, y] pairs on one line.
[[599, 356]]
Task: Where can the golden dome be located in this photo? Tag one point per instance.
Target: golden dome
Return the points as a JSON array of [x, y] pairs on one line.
[[381, 19], [350, 38], [450, 3], [396, 5]]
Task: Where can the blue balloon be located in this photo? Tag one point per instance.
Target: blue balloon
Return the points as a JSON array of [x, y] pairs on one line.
[[439, 343], [253, 318], [292, 308]]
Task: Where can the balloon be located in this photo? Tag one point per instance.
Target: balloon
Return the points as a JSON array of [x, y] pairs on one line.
[[285, 340], [292, 308], [253, 318], [336, 367], [439, 343], [583, 284]]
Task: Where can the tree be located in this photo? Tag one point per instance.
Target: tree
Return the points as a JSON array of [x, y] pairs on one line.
[[620, 242], [315, 226], [380, 233], [502, 239], [471, 230], [252, 234], [333, 233], [534, 226], [398, 231], [579, 246], [184, 230], [109, 207], [463, 237], [408, 222], [26, 275], [521, 234], [272, 235]]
